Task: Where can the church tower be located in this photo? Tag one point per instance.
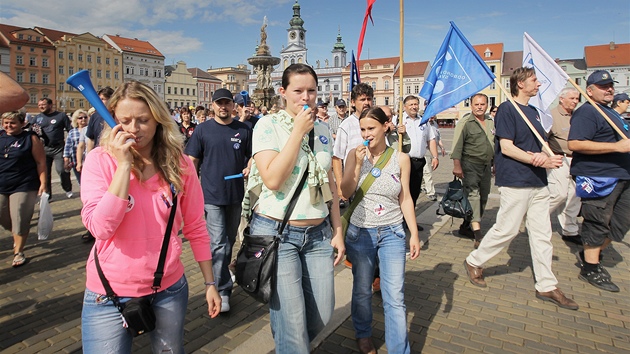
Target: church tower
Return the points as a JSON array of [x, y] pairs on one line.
[[295, 51], [339, 52]]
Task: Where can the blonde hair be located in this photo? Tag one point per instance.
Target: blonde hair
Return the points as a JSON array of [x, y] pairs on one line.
[[75, 117], [167, 149]]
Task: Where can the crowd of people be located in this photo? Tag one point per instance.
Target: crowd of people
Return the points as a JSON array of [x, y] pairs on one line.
[[207, 169]]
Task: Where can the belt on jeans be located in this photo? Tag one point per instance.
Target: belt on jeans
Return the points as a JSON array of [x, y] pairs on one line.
[[417, 159]]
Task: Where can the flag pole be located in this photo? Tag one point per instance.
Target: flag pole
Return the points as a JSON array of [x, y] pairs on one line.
[[400, 73], [590, 100], [545, 146]]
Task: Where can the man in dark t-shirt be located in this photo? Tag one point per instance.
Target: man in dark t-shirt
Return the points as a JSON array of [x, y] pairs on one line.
[[53, 124], [600, 152], [522, 179], [221, 147]]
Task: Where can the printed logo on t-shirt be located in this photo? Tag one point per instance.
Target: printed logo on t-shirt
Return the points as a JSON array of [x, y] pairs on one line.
[[53, 121], [323, 139], [130, 203], [379, 209], [237, 146]]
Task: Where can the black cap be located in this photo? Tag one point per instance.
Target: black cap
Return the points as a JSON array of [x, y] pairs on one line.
[[340, 102], [221, 94]]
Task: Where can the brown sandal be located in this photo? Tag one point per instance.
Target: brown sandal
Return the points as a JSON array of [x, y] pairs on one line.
[[18, 259]]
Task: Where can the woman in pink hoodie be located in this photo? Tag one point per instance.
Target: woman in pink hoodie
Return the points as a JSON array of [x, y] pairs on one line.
[[127, 195]]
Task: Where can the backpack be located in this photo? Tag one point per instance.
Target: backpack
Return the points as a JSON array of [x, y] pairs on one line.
[[454, 202]]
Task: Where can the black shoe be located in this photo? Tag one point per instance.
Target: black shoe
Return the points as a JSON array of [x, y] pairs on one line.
[[573, 239], [599, 279], [580, 257]]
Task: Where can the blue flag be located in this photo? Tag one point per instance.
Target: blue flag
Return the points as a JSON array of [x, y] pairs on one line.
[[458, 72], [354, 73]]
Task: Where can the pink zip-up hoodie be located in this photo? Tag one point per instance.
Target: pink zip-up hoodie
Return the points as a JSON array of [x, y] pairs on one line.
[[129, 233]]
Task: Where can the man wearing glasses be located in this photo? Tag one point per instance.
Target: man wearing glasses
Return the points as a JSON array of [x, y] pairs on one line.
[[600, 153]]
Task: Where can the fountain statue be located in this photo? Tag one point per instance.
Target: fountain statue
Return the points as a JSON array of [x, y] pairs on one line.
[[264, 93]]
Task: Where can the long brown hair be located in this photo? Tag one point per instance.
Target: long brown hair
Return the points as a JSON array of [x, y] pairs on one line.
[[167, 150]]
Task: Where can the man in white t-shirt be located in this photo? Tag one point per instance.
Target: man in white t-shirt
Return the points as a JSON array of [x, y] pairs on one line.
[[349, 132]]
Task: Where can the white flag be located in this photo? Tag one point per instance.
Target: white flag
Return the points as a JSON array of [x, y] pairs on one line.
[[552, 78]]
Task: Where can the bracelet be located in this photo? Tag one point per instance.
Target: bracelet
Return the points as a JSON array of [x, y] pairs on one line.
[[209, 283], [435, 157]]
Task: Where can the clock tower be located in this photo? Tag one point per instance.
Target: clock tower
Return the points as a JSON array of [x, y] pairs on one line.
[[295, 51]]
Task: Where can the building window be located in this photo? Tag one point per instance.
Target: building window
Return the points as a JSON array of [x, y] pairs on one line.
[[493, 101], [116, 75], [106, 61], [492, 68], [19, 77], [60, 54], [33, 99], [493, 86], [81, 103], [70, 70], [33, 78], [168, 90], [20, 36], [386, 84], [19, 47], [193, 92], [507, 84], [467, 102], [44, 78], [32, 50], [187, 91], [89, 58], [61, 86], [98, 60], [72, 103], [116, 61], [336, 62], [61, 69], [416, 88], [408, 90], [38, 39], [107, 74], [32, 61], [141, 71], [374, 85], [387, 101], [98, 74], [487, 53], [336, 87], [70, 56], [80, 57], [19, 60], [44, 62]]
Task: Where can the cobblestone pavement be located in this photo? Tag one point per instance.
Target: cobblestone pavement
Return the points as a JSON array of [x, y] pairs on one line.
[[40, 303]]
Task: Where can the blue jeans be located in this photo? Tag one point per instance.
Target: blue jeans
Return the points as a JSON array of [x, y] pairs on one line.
[[102, 326], [365, 246], [222, 224], [304, 299]]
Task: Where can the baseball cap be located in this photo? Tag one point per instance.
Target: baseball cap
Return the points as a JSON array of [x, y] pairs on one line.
[[238, 99], [621, 97], [340, 102], [322, 104], [599, 77], [221, 94]]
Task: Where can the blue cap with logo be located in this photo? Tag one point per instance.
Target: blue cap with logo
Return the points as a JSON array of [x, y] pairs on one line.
[[599, 77], [340, 103]]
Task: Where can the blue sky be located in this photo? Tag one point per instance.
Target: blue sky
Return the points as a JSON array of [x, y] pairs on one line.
[[218, 33]]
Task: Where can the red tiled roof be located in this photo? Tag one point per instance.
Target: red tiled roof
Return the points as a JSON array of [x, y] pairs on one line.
[[603, 55], [54, 35], [196, 72], [495, 48], [414, 68], [134, 45], [8, 30]]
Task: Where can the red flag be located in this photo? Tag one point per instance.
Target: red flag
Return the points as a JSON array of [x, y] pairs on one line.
[[368, 14]]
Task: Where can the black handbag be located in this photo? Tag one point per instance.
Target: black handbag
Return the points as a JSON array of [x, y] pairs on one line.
[[454, 202], [138, 315], [257, 257]]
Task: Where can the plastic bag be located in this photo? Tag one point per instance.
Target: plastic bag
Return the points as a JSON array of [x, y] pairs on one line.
[[45, 223]]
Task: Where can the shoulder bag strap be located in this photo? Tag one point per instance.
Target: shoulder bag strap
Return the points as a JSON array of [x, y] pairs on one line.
[[367, 183], [296, 194], [159, 273]]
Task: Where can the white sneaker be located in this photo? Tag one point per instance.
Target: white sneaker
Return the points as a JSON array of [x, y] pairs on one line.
[[69, 194], [225, 303]]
